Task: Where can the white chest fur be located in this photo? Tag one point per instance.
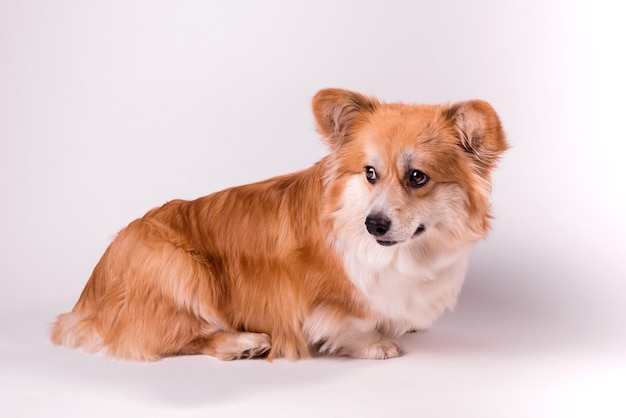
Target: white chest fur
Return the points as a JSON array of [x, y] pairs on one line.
[[405, 288]]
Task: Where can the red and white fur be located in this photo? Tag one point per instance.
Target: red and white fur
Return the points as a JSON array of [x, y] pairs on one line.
[[369, 243]]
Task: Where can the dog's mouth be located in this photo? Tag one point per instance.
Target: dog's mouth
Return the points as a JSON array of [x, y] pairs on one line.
[[386, 243], [419, 230]]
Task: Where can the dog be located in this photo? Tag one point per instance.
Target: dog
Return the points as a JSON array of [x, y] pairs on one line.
[[369, 243]]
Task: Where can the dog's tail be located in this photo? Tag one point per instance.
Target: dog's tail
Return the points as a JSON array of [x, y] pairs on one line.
[[73, 330]]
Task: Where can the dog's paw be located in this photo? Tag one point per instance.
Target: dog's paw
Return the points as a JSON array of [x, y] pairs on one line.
[[384, 348], [257, 345], [242, 345]]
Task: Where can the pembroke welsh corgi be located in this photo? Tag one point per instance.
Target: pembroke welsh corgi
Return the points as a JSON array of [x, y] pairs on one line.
[[369, 243]]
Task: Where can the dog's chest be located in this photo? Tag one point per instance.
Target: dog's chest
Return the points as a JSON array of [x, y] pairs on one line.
[[403, 294]]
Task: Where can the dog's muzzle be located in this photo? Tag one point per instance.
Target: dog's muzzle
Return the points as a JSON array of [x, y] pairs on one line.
[[378, 226]]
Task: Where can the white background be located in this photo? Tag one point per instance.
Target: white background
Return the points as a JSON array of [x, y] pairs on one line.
[[110, 108]]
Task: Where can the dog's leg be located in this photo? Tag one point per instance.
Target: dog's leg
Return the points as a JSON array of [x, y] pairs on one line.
[[230, 345], [333, 333]]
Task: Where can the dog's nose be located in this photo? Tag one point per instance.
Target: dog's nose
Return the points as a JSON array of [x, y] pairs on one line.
[[377, 225]]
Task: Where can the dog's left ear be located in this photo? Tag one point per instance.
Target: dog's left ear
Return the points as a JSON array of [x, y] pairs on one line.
[[338, 111], [479, 131]]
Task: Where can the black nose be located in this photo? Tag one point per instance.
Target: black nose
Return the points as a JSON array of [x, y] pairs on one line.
[[377, 225]]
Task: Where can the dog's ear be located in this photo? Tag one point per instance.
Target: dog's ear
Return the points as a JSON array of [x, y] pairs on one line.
[[479, 131], [338, 111]]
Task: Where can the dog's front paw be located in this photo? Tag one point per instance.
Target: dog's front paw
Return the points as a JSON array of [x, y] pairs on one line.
[[382, 349]]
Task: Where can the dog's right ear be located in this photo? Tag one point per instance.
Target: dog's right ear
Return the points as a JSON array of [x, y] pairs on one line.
[[337, 112]]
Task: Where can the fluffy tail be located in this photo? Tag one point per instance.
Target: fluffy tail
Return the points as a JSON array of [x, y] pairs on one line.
[[72, 330]]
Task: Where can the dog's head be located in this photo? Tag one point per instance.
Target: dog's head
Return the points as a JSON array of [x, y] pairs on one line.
[[399, 173]]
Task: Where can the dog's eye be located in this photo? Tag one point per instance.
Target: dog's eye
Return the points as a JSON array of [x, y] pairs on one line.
[[418, 178], [370, 174]]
